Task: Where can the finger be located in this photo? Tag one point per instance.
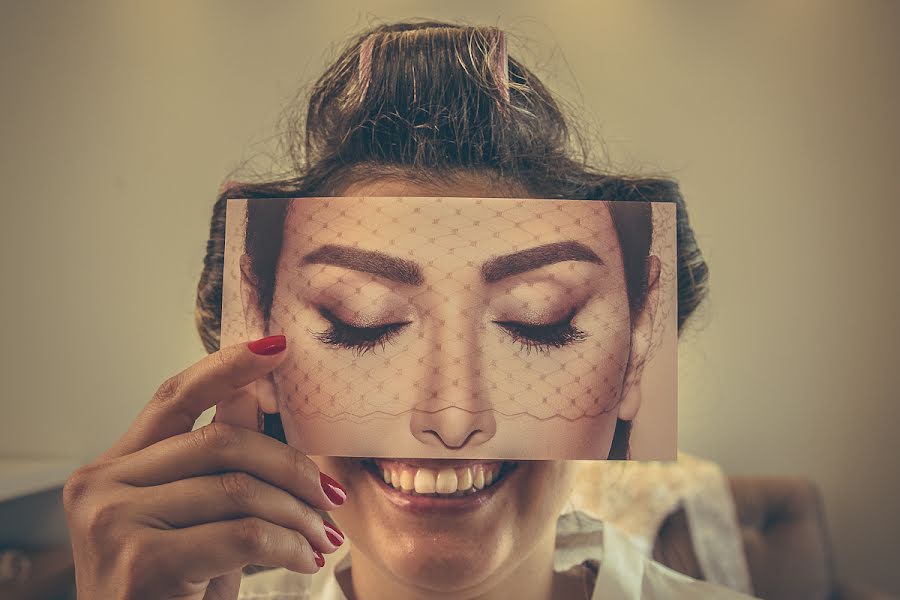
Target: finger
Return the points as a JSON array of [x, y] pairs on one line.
[[225, 587], [182, 398], [225, 546], [219, 447], [236, 495]]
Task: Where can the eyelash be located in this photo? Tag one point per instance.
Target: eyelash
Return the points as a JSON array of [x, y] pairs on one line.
[[544, 337], [359, 339], [531, 337]]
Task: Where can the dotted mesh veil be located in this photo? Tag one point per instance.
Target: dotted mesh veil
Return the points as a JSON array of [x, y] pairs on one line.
[[454, 327]]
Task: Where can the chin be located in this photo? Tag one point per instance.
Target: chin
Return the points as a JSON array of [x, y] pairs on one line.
[[437, 567]]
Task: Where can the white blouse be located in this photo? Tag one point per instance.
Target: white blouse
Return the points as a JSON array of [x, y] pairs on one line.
[[637, 496], [624, 571]]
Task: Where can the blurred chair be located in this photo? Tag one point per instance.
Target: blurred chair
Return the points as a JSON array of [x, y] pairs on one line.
[[41, 574], [785, 537]]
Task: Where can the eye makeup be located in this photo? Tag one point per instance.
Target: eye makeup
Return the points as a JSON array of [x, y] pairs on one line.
[[543, 337], [354, 337], [531, 336]]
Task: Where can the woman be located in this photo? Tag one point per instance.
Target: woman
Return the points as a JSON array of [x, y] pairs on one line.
[[425, 109]]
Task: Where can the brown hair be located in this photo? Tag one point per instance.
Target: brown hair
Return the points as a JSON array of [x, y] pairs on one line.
[[434, 102]]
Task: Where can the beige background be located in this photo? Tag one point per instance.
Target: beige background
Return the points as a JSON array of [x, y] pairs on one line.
[[780, 120]]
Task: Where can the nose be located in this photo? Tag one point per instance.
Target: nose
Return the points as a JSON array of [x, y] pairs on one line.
[[453, 427], [454, 411]]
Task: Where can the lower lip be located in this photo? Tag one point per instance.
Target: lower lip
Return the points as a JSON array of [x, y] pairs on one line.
[[440, 504]]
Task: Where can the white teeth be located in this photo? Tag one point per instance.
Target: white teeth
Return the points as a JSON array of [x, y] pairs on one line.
[[459, 481], [446, 482], [463, 478], [478, 479], [425, 481]]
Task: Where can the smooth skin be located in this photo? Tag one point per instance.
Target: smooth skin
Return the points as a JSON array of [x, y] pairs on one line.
[[172, 513]]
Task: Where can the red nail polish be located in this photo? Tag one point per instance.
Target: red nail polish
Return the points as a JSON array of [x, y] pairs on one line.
[[335, 492], [268, 345], [320, 560], [334, 535]]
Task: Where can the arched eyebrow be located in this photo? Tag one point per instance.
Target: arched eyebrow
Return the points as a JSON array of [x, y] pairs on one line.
[[367, 261], [408, 272], [508, 265]]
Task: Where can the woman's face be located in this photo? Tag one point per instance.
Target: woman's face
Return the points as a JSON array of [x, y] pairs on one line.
[[435, 329]]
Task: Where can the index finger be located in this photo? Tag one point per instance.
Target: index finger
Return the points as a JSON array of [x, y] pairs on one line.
[[216, 377]]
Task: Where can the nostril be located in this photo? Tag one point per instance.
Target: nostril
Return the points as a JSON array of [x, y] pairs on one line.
[[453, 446], [452, 427]]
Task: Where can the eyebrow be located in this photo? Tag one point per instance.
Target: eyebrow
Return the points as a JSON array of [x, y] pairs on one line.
[[408, 272], [367, 261], [508, 265]]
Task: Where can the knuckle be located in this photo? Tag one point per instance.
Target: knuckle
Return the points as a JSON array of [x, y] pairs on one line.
[[302, 465], [301, 557], [225, 363], [101, 517], [168, 390], [218, 436], [251, 535], [77, 487], [218, 360], [310, 520], [240, 487]]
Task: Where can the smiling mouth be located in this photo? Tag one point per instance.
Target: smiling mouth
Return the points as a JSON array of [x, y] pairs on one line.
[[451, 481]]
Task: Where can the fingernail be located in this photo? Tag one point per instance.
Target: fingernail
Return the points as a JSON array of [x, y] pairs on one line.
[[333, 489], [333, 534], [268, 345], [320, 560]]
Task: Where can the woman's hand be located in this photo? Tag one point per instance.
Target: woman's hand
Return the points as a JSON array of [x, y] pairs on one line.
[[172, 513]]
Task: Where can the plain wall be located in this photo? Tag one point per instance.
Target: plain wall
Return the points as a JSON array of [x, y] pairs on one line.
[[118, 122]]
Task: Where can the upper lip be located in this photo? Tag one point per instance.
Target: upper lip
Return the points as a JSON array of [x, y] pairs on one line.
[[438, 463]]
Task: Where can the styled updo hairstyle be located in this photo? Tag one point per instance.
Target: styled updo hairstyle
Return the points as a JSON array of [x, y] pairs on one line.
[[434, 103]]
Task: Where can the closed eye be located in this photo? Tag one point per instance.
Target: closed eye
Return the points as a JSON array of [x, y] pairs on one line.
[[543, 337], [359, 339]]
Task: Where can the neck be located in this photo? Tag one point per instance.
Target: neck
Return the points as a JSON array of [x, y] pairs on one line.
[[530, 579]]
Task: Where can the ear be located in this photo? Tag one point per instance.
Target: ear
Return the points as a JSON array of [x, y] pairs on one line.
[[641, 340], [256, 328]]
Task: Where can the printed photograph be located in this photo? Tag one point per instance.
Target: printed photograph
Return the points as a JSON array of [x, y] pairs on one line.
[[496, 328]]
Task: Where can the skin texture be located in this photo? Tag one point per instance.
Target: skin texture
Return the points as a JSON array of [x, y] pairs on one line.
[[505, 548]]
